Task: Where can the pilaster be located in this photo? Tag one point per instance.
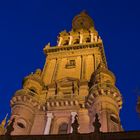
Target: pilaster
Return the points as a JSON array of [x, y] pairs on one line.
[[48, 123], [84, 121]]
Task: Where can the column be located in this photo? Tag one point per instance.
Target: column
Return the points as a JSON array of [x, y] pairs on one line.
[[96, 38], [92, 36], [73, 114], [48, 124], [81, 38], [60, 41], [70, 42]]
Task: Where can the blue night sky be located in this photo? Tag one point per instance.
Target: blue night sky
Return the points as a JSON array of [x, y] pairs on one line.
[[27, 25]]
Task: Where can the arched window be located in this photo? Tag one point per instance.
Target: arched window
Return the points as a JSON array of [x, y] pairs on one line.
[[87, 40], [66, 42], [63, 128], [21, 123], [114, 118], [114, 123], [76, 41], [32, 91]]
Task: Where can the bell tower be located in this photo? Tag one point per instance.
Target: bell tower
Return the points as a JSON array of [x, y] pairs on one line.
[[75, 80]]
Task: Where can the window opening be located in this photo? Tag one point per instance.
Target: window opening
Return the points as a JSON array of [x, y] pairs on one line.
[[63, 128]]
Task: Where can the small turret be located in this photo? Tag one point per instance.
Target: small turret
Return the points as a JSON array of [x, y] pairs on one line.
[[104, 99], [26, 102], [102, 75], [33, 82]]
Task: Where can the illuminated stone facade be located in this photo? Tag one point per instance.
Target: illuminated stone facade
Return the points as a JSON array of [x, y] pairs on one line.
[[75, 80]]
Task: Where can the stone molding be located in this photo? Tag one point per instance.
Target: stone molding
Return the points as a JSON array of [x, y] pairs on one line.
[[71, 47], [103, 90], [26, 100]]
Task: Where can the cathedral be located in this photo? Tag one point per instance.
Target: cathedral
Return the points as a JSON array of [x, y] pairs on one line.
[[75, 81]]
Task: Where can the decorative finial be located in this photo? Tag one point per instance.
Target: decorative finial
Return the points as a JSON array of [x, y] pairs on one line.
[[3, 123], [84, 12], [75, 125], [63, 33], [38, 72], [47, 46], [138, 105], [96, 124], [10, 127], [101, 65]]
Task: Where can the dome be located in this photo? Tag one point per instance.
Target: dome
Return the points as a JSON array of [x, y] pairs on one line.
[[34, 77], [82, 21], [102, 75]]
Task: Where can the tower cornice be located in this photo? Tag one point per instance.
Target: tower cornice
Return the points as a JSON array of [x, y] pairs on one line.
[[106, 90], [71, 47], [80, 47]]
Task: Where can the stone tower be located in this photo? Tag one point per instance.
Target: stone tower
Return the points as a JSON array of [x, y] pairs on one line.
[[75, 80]]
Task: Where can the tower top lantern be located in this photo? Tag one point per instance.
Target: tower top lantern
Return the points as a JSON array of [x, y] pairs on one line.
[[82, 21]]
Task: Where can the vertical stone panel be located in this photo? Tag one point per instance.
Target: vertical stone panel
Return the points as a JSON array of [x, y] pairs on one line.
[[39, 124], [49, 71], [89, 67], [64, 71]]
